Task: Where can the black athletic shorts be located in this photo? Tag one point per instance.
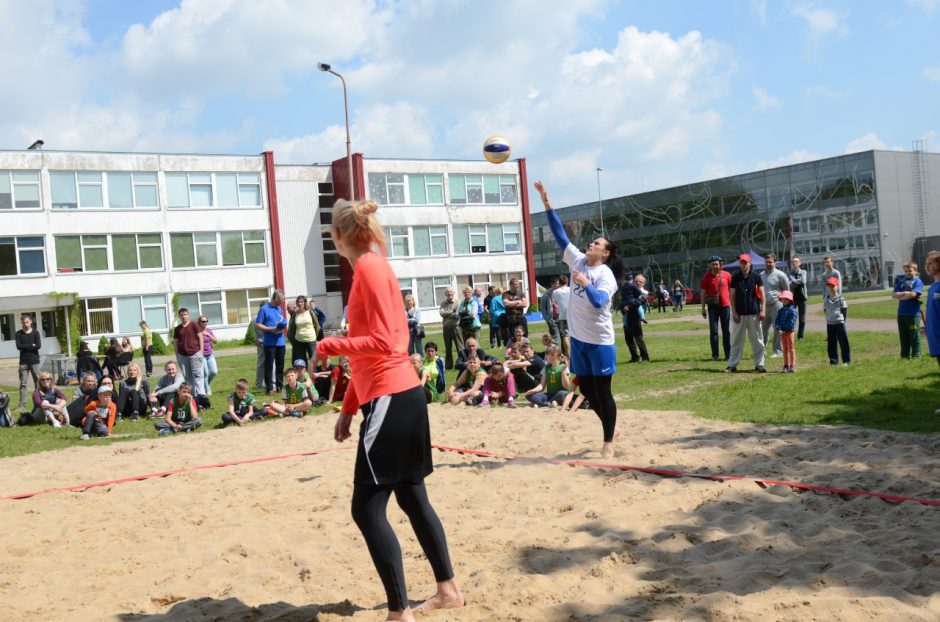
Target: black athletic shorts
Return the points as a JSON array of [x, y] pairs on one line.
[[394, 440]]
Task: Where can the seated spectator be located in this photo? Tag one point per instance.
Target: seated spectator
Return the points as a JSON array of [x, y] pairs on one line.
[[84, 394], [526, 368], [99, 414], [49, 403], [297, 398], [303, 377], [339, 380], [241, 406], [181, 413], [554, 383], [499, 386], [165, 391], [424, 376], [547, 342], [435, 366], [134, 391], [322, 370], [86, 361], [468, 387], [574, 400], [473, 349], [112, 359], [517, 337]]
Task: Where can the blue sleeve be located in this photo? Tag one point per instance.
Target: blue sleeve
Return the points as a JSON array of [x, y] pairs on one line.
[[918, 286], [557, 230], [597, 297]]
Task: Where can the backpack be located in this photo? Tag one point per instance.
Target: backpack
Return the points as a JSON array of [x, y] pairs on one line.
[[6, 418]]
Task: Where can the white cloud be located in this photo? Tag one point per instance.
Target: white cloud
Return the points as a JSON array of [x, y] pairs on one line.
[[764, 99], [868, 142], [927, 5], [822, 22], [932, 74], [759, 8]]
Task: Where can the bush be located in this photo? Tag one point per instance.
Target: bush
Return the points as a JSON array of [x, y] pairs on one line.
[[103, 345], [159, 346], [249, 339]]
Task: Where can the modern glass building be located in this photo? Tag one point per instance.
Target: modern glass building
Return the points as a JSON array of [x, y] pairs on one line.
[[865, 209]]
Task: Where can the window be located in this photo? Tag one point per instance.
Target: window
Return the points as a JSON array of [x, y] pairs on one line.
[[330, 256], [241, 305], [511, 243], [8, 327], [81, 253], [132, 190], [478, 238], [25, 255], [238, 248], [425, 189], [19, 190], [430, 240], [387, 189], [482, 189], [132, 309], [430, 291], [206, 249], [88, 190], [206, 190], [208, 304], [142, 251], [97, 316], [398, 244]]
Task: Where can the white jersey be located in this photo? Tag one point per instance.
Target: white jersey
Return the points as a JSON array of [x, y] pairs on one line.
[[585, 322], [560, 297]]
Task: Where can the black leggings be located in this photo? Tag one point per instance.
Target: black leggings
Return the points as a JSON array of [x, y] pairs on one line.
[[597, 391], [368, 510]]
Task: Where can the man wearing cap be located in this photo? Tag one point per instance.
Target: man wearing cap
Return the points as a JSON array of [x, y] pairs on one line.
[[747, 311], [798, 278], [716, 305], [775, 281]]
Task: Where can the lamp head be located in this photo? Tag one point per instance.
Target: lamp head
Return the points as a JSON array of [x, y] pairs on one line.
[[323, 66]]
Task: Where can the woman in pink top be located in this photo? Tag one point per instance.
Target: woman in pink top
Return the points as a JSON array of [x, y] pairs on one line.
[[394, 452]]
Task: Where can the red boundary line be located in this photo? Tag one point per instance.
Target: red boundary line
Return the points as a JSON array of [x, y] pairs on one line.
[[763, 483]]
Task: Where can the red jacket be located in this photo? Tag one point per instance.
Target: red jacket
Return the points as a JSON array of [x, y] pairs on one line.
[[112, 412]]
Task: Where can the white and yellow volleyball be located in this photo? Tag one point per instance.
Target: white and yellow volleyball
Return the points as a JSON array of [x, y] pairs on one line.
[[496, 149]]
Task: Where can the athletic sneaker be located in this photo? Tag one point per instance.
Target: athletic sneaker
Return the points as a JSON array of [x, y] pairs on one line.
[[471, 401], [84, 437], [484, 403], [760, 369], [55, 423], [511, 403], [730, 370], [165, 432]]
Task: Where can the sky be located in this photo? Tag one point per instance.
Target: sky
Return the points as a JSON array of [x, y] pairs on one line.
[[656, 94]]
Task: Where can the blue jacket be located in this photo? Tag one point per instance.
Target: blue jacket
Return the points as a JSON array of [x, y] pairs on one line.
[[786, 319], [441, 383], [933, 319]]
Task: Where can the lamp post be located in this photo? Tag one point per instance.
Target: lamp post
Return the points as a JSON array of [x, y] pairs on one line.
[[600, 203], [352, 186]]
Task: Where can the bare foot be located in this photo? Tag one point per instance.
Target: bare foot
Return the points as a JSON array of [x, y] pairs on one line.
[[607, 452], [448, 596], [405, 615]]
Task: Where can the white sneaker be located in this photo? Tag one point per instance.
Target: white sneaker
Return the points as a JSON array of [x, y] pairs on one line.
[[84, 437], [55, 423], [937, 412]]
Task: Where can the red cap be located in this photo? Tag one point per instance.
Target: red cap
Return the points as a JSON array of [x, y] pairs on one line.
[[744, 257], [832, 281]]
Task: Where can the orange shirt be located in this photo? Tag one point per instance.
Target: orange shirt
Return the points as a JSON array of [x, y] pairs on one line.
[[377, 343], [112, 412]]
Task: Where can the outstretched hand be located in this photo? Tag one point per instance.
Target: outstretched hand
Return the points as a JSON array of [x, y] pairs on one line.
[[544, 194]]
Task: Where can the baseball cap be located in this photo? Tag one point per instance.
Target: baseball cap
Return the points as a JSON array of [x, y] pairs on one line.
[[785, 295], [104, 389], [300, 363], [744, 257], [714, 258], [832, 281]]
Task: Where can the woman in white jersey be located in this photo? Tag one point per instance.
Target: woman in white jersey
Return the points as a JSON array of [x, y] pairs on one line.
[[594, 277]]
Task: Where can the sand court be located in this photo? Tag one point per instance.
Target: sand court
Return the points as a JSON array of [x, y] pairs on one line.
[[530, 540]]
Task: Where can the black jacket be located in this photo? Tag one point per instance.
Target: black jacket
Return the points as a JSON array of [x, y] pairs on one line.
[[28, 345]]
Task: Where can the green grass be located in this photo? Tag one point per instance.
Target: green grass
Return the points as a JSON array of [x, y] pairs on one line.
[[879, 310], [878, 390], [654, 326]]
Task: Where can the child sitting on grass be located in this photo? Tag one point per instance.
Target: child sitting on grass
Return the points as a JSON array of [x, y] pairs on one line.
[[297, 397], [99, 414], [241, 405], [468, 387], [554, 385], [181, 413], [500, 386], [424, 376]]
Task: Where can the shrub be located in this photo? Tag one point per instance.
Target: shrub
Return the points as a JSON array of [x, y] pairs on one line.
[[103, 345], [159, 346], [249, 339]]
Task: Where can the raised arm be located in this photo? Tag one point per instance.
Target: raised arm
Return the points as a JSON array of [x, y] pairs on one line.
[[554, 222]]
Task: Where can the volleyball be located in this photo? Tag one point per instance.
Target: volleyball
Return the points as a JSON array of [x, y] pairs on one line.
[[496, 149]]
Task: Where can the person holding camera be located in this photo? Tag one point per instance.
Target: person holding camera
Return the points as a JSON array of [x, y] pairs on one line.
[[908, 289]]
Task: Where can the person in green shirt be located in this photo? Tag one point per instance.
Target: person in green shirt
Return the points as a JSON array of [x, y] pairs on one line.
[[469, 384], [241, 405], [146, 346], [297, 397], [555, 384]]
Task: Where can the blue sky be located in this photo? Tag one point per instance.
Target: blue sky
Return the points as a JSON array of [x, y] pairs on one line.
[[655, 93]]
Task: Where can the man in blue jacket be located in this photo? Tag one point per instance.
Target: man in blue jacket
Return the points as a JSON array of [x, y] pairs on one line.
[[270, 321]]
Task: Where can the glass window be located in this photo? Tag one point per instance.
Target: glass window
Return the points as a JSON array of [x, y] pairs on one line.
[[120, 191], [422, 241], [177, 190], [474, 188], [47, 324], [507, 189], [155, 311], [439, 240], [249, 190], [233, 252], [64, 193], [236, 306], [417, 193], [98, 317], [491, 189], [32, 255], [511, 242], [8, 257], [206, 250], [7, 327], [461, 240], [6, 191], [458, 190], [226, 185], [478, 238], [441, 283], [68, 253], [129, 314], [396, 189], [435, 188], [124, 252], [95, 252], [254, 247], [150, 249], [377, 189], [181, 250], [145, 190], [494, 237], [398, 241], [425, 288], [200, 195], [210, 305]]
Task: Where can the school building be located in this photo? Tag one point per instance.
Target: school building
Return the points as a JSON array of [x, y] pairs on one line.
[[131, 236]]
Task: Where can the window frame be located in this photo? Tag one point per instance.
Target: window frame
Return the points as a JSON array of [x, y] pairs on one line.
[[13, 183], [18, 250], [241, 180]]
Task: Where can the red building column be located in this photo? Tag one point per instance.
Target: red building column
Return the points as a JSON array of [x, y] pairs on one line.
[[339, 170], [276, 254]]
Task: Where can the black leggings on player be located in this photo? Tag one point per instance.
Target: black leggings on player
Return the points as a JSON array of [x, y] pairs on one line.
[[597, 391], [369, 504]]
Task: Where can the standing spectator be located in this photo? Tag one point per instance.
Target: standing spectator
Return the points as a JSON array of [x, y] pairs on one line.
[[678, 296], [716, 305], [798, 278], [271, 322], [28, 342], [497, 313], [146, 346], [112, 359], [259, 353], [662, 296], [487, 318], [830, 272], [775, 281], [187, 339], [631, 304], [516, 303], [415, 329], [208, 355], [932, 266], [836, 336], [302, 331], [449, 319], [786, 322], [560, 297], [747, 311], [908, 288], [468, 322], [549, 309], [134, 391], [478, 298], [321, 316], [49, 403]]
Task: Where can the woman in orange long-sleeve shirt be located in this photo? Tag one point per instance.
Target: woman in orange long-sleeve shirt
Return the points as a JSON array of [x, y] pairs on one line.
[[394, 453]]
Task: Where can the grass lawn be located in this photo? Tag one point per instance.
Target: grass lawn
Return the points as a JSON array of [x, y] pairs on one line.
[[880, 310], [878, 390]]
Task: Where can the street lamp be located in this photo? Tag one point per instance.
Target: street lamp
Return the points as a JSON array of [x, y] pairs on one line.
[[600, 203], [352, 186]]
